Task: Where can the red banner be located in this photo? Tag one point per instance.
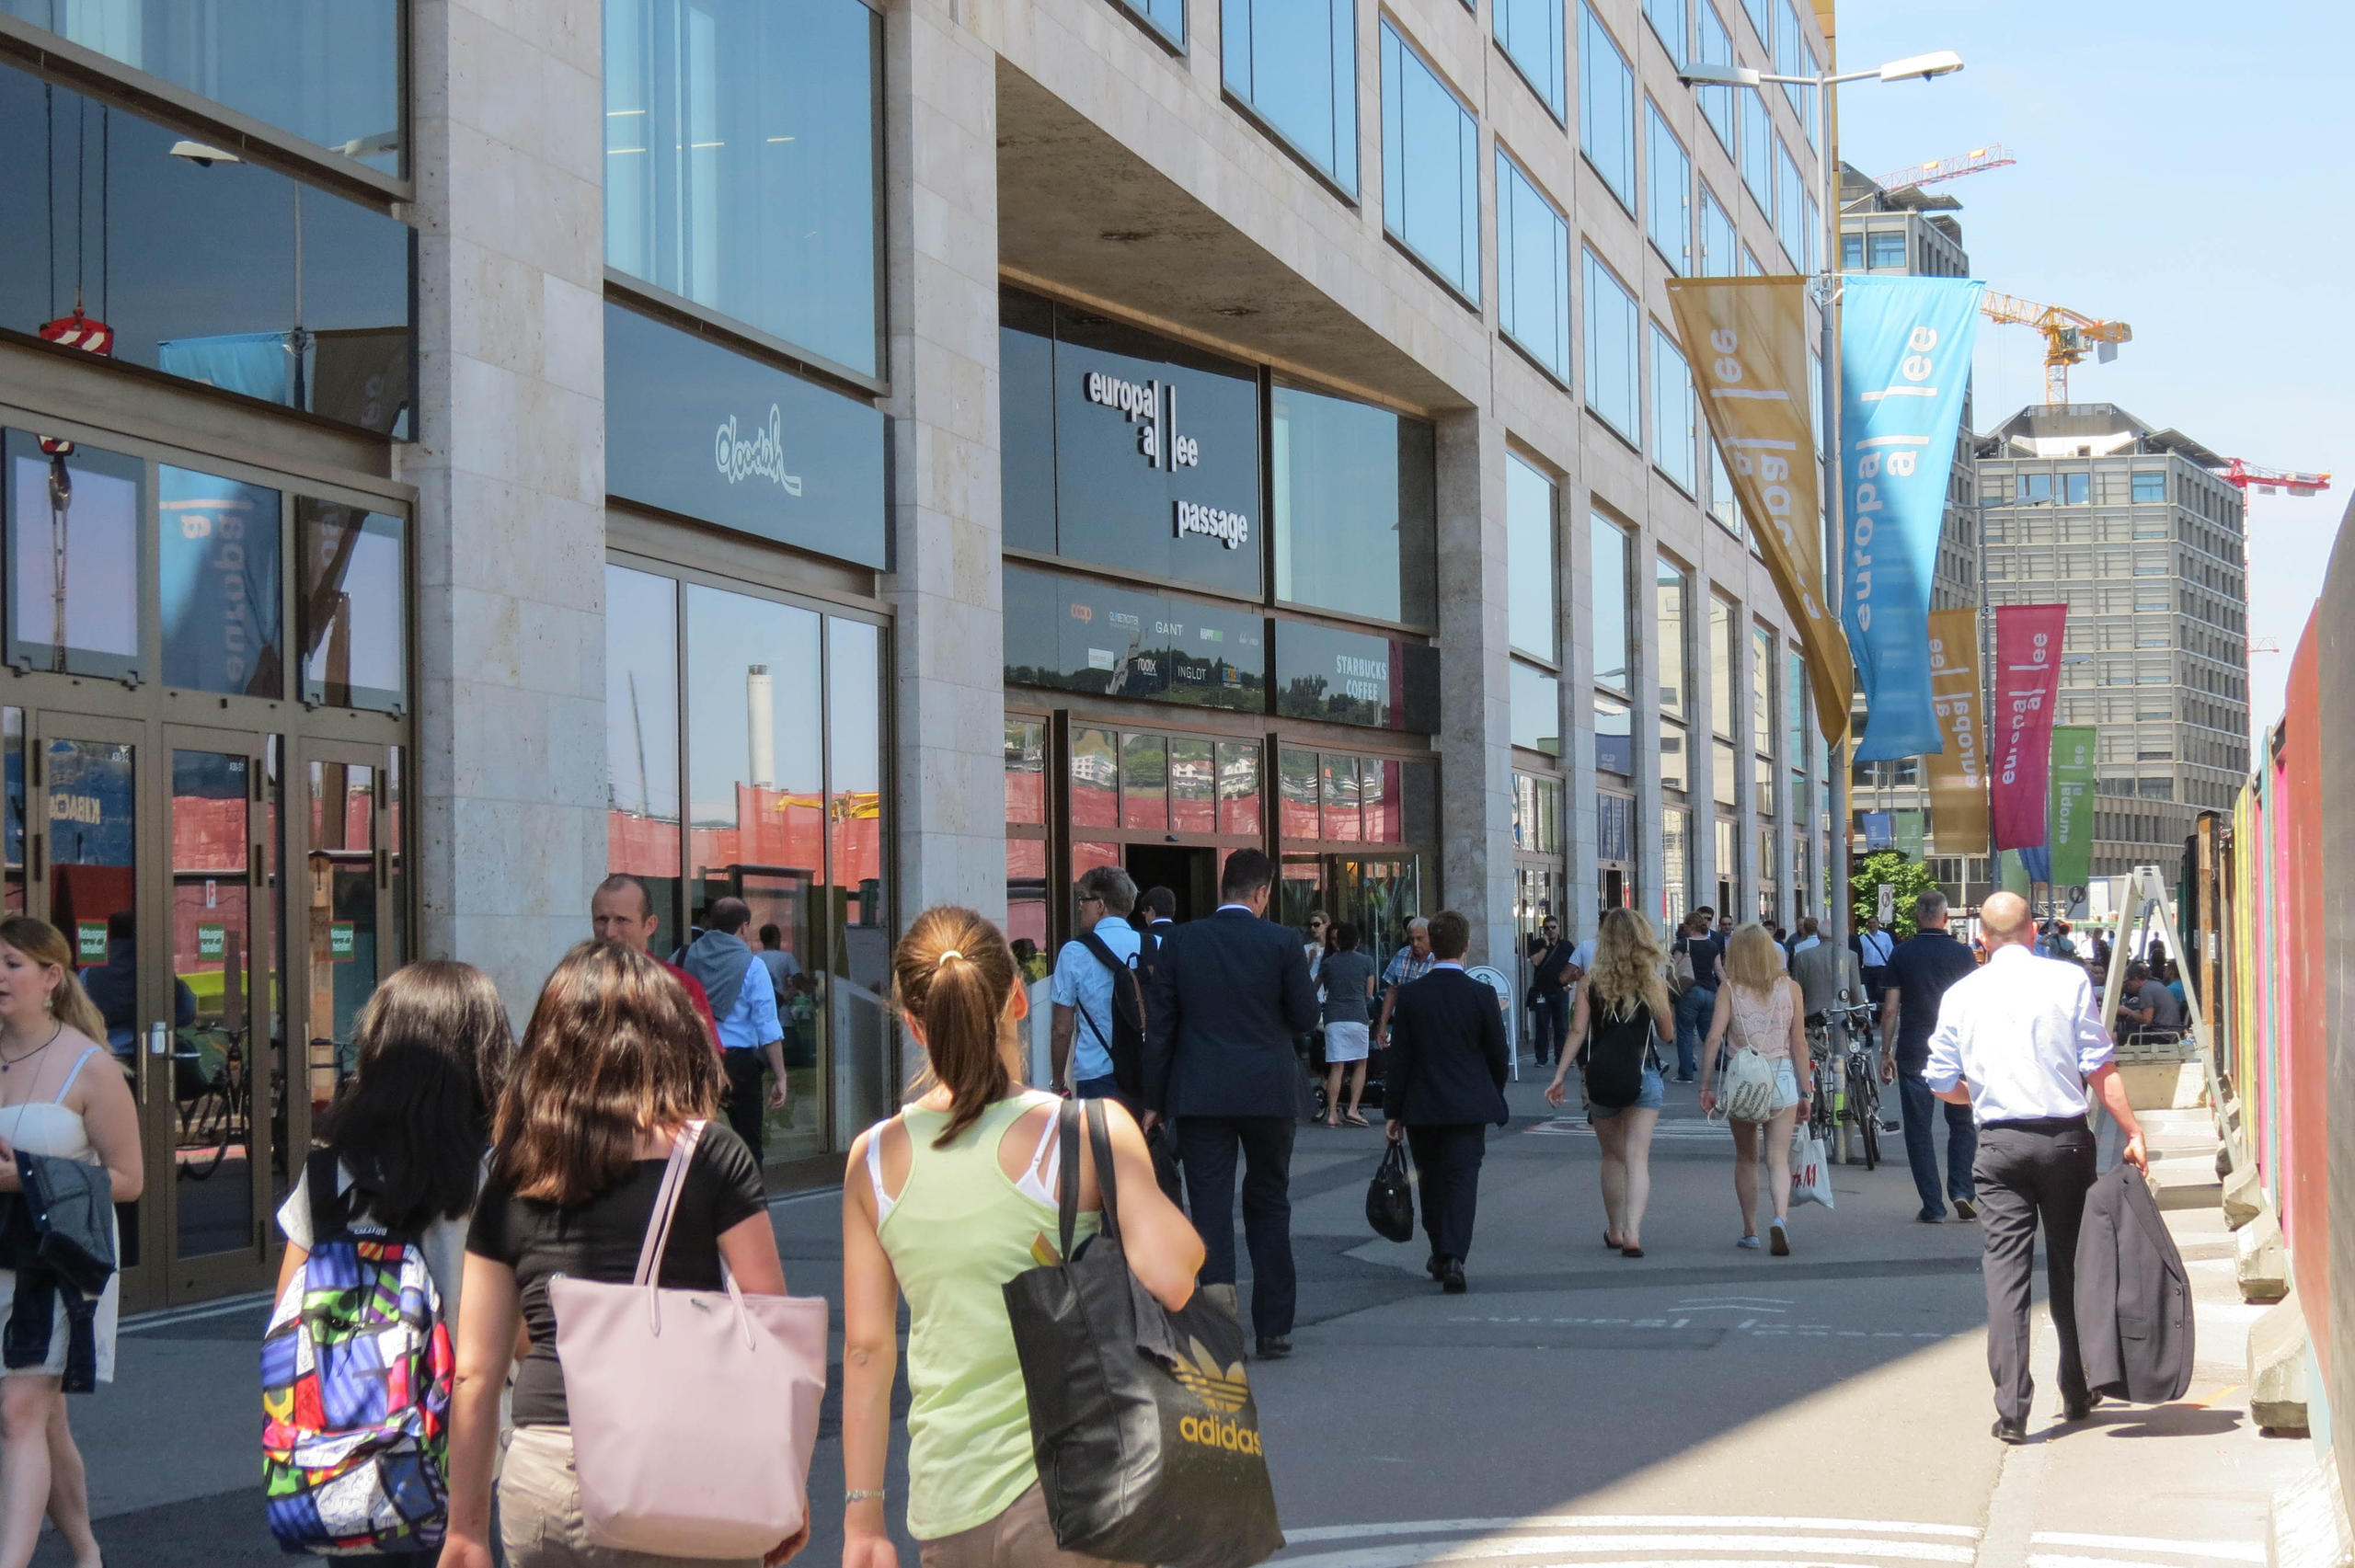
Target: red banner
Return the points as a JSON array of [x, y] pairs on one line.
[[2027, 677]]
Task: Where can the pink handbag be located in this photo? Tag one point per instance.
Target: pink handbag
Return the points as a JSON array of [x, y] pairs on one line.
[[693, 1413]]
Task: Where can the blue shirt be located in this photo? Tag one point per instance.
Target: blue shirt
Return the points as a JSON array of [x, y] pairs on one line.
[[752, 1023], [1082, 982]]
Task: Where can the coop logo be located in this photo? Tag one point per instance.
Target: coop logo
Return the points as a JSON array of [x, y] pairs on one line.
[[756, 455], [1083, 613], [1231, 529]]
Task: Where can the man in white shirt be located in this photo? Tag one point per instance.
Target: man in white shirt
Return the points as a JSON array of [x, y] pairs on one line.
[[2020, 1041]]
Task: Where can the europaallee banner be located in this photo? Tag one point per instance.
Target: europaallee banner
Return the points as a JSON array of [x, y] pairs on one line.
[[1746, 338], [2069, 831], [1958, 768], [2027, 677], [1904, 362]]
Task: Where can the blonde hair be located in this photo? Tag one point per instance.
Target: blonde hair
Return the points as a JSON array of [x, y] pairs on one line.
[[1627, 960], [46, 945], [1750, 960]]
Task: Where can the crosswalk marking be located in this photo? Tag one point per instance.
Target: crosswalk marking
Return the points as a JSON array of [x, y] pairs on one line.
[[1692, 1128], [1625, 1522], [1786, 1541], [2225, 1551]]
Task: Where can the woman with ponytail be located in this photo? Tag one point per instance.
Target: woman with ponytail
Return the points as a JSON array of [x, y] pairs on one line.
[[61, 1096], [947, 1201]]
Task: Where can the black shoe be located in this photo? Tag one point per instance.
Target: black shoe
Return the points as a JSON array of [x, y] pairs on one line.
[[1452, 1282], [1927, 1217], [1274, 1348], [1436, 1266], [1966, 1210], [2075, 1410], [2009, 1431]]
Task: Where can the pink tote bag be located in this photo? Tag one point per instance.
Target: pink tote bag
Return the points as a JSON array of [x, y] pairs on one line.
[[693, 1412]]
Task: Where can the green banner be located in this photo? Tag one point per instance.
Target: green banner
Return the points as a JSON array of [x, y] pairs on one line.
[[2012, 873], [2069, 830], [1910, 826]]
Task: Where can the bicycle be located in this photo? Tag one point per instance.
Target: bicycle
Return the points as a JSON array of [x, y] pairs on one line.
[[1860, 1074], [211, 1105]]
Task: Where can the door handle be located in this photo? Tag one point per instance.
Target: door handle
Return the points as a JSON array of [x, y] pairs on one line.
[[159, 1040]]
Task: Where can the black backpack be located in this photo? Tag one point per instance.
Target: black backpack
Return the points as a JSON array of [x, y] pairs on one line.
[[1126, 1048], [1617, 1051]]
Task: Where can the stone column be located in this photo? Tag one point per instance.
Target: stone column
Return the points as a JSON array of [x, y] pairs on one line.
[[508, 127], [1475, 714], [1580, 810], [940, 163], [1643, 677]]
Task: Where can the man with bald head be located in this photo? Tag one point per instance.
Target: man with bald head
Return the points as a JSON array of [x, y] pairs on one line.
[[2020, 1041]]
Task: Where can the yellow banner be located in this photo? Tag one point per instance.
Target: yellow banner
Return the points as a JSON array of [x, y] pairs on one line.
[[1959, 774], [1746, 339]]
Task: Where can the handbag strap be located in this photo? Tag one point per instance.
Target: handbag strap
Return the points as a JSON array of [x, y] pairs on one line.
[[1107, 1186], [666, 1204], [1067, 1179]]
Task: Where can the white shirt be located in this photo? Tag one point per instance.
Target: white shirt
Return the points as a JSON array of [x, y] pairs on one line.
[[1582, 956], [1803, 943], [2023, 1033], [1878, 946]]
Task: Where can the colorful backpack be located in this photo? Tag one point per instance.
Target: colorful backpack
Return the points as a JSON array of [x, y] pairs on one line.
[[356, 1371]]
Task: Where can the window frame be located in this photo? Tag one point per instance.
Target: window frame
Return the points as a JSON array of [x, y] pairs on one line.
[[1661, 138], [1509, 291], [1595, 267], [1394, 43], [1591, 32], [1350, 185]]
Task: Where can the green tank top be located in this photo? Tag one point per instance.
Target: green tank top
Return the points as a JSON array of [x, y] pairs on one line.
[[957, 1232]]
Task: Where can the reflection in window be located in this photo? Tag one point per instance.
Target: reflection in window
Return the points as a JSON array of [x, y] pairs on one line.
[[1715, 47], [1614, 738], [1607, 560], [754, 747], [1356, 510], [1536, 814], [642, 738], [1675, 416], [1670, 593], [1667, 18], [1757, 150], [342, 917], [1378, 782], [1722, 667], [1295, 62], [75, 522], [353, 612], [1238, 787], [1430, 173], [216, 556], [1611, 344], [1530, 572], [1676, 761], [1724, 506], [1531, 32], [1297, 788], [1026, 771], [1342, 820], [740, 162], [1536, 702], [1668, 192], [1532, 270], [864, 1076], [1790, 221], [1095, 779], [1606, 108], [1193, 799], [1144, 782], [1721, 252]]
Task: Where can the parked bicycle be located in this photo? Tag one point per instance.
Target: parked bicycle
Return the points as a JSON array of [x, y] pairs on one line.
[[212, 1094]]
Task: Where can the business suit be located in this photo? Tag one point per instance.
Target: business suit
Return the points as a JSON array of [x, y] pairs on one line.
[[1448, 1066], [1228, 995], [2134, 1321]]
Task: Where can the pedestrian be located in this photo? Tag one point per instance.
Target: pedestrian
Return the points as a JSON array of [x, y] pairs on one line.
[[1230, 995], [1159, 907], [1622, 1008], [1758, 1008], [611, 1069], [1449, 1062], [948, 1200], [1873, 946], [1697, 1004], [2173, 979], [1827, 976], [622, 909], [1549, 989], [1922, 970], [1086, 971], [1319, 941], [751, 1037], [1725, 927], [2021, 1043], [781, 965], [1349, 998], [2147, 1010], [1410, 964], [61, 1097], [1810, 934]]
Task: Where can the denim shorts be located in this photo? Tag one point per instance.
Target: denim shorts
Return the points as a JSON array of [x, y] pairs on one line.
[[1648, 1098], [1786, 1085]]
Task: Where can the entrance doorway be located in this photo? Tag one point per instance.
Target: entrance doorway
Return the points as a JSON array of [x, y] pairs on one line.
[[1187, 871]]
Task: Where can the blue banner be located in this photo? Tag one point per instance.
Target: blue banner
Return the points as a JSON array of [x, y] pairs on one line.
[[1880, 831], [1904, 363]]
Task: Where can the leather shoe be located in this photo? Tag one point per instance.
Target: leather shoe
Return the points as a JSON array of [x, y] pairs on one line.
[[1436, 1266], [2009, 1431], [2075, 1410], [1452, 1282], [1966, 1209], [1274, 1348]]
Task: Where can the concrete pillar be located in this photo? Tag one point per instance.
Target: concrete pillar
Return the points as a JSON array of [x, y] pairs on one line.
[[940, 159], [1580, 810], [1476, 715], [1643, 621], [1745, 763], [510, 466]]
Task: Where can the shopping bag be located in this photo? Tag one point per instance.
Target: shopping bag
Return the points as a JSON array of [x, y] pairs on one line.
[[1810, 1172], [1390, 1197]]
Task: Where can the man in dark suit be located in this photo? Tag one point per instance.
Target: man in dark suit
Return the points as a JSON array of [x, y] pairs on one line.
[[1156, 910], [1228, 995], [1448, 1066]]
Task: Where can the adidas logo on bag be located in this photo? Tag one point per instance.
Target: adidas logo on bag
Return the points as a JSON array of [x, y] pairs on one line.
[[1222, 1389]]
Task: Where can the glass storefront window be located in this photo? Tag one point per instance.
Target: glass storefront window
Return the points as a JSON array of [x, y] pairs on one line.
[[1529, 574], [1614, 740], [76, 522], [219, 271], [1297, 787], [1356, 509], [1026, 771], [1095, 779], [328, 73], [1144, 782], [642, 738], [1295, 62], [1343, 822], [1239, 809], [1676, 862], [740, 163], [1725, 778], [1607, 546], [352, 611], [217, 554], [863, 1069], [1668, 581], [1674, 763], [1025, 891], [1378, 787], [1722, 667], [1322, 672], [1193, 800], [1536, 814], [1537, 702]]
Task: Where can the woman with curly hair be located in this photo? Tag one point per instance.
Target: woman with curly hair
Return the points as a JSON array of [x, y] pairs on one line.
[[1621, 1011]]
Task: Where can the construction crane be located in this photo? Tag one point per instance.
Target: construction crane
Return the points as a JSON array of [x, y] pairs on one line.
[[1976, 161], [2069, 336], [2271, 481]]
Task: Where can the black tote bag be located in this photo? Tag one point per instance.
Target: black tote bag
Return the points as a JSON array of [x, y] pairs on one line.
[[1390, 1197], [1142, 1419]]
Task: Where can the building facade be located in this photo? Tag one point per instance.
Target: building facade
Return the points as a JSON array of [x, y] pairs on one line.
[[854, 457], [2136, 531]]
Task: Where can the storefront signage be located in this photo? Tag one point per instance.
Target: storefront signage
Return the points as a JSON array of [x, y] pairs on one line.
[[696, 428], [1342, 677], [343, 941], [91, 942], [212, 940]]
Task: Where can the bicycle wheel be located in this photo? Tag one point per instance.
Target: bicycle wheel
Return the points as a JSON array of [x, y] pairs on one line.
[[205, 1123], [1864, 1101]]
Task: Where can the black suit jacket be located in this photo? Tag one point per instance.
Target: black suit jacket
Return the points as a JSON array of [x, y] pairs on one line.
[[2133, 1294], [1228, 995], [1448, 1061]]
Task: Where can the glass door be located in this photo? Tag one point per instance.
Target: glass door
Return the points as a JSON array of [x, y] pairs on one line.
[[343, 911]]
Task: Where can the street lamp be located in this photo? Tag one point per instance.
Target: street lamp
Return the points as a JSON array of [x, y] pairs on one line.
[[1938, 63]]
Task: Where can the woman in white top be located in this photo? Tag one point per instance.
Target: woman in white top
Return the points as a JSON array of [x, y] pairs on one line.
[[1758, 1008], [61, 1094]]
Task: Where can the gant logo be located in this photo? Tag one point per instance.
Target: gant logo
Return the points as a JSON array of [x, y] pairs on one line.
[[1224, 1390]]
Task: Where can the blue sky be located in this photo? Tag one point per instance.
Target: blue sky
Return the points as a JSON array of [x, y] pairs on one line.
[[2184, 168]]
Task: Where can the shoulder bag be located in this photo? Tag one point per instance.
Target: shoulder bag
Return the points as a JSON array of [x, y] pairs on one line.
[[693, 1413], [1142, 1419]]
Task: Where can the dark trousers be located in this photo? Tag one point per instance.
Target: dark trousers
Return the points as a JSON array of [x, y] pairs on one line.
[[1208, 1148], [1922, 1109], [2031, 1175], [1447, 1169], [1550, 1012], [748, 1095]]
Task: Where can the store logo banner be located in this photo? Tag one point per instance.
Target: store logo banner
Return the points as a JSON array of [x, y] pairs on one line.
[[1904, 362], [2027, 678], [1957, 769], [1746, 338], [2070, 823]]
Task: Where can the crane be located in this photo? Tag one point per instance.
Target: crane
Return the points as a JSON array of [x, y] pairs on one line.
[[2069, 336], [1976, 161], [2271, 481]]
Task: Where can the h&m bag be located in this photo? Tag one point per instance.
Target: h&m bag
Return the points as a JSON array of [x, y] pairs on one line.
[[693, 1413], [1810, 1172], [1142, 1419], [356, 1369], [1390, 1197], [1746, 1091]]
